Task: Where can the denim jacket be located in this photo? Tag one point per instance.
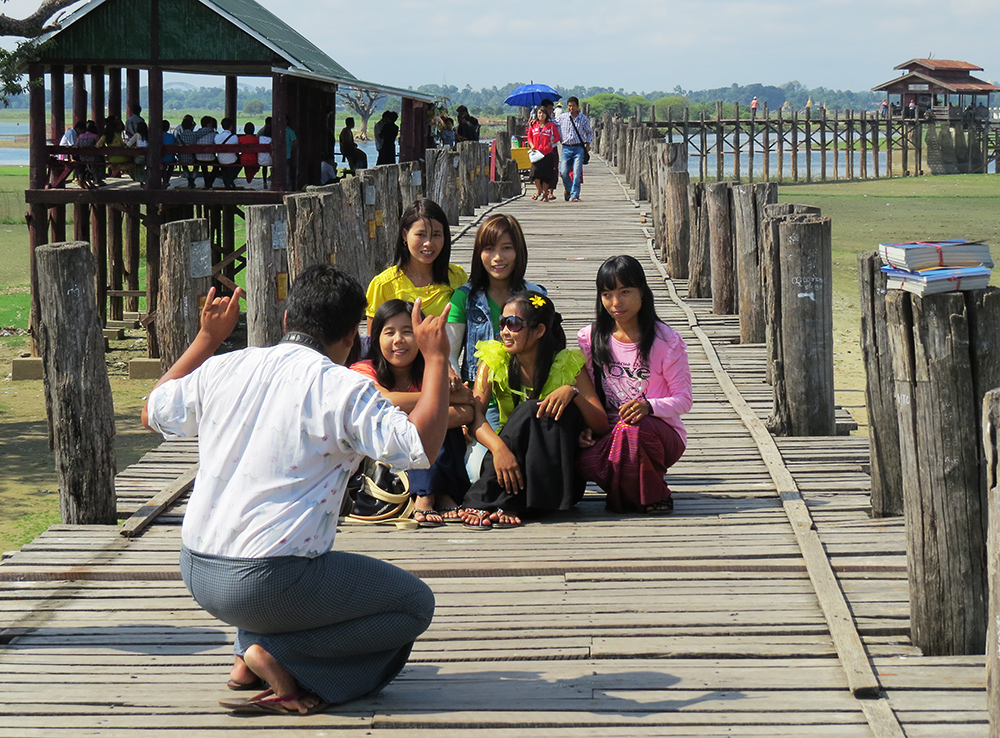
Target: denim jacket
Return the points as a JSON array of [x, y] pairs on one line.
[[479, 325]]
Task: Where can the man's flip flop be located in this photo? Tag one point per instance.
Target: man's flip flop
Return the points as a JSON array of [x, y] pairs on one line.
[[262, 704]]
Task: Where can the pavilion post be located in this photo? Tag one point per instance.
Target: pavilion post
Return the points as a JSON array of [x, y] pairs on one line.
[[57, 86], [115, 91], [38, 176], [97, 95], [79, 93], [232, 90], [154, 160], [131, 90]]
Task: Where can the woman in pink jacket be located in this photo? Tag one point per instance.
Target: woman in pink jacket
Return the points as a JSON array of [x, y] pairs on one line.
[[640, 370]]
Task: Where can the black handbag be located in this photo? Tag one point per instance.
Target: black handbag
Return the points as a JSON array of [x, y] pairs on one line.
[[376, 494], [586, 154]]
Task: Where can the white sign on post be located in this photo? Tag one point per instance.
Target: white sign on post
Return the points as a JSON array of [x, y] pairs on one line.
[[279, 234], [201, 259]]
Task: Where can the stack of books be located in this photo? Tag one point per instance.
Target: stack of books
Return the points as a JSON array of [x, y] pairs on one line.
[[930, 267]]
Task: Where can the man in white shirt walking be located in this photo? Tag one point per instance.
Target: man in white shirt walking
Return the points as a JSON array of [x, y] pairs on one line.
[[576, 134]]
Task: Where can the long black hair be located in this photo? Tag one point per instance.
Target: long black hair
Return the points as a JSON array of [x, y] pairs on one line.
[[490, 232], [429, 210], [383, 369], [537, 309], [616, 272]]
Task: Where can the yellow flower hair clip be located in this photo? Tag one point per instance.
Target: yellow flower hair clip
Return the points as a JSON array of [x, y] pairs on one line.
[[538, 301]]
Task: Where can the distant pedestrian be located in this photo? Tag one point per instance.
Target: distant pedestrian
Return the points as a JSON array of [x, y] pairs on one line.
[[349, 150], [133, 120], [264, 158], [205, 136], [187, 136], [543, 135], [228, 161], [169, 160], [389, 132], [884, 108], [753, 107], [468, 126], [328, 169], [576, 134], [248, 159], [291, 155], [448, 133]]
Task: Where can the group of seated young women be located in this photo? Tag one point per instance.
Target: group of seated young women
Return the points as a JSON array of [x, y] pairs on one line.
[[545, 418]]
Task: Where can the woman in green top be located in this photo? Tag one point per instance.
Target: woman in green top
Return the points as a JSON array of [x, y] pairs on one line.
[[548, 408]]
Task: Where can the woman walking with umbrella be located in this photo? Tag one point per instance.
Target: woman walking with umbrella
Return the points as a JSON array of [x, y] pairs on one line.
[[543, 135]]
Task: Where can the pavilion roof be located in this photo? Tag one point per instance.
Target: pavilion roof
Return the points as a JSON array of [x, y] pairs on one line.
[[952, 84], [250, 40]]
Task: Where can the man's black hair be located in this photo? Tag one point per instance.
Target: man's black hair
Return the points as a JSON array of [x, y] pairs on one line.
[[325, 302]]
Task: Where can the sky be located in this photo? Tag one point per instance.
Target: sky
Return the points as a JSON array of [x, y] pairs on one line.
[[638, 45]]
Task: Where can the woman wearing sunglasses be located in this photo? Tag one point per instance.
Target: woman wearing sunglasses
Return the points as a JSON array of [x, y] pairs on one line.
[[548, 407]]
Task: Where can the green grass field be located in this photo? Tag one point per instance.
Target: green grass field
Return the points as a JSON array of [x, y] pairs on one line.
[[863, 213]]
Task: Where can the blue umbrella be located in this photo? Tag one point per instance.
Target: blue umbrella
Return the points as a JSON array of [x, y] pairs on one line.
[[528, 95]]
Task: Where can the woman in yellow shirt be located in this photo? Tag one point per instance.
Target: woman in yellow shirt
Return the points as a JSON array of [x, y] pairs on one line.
[[422, 267]]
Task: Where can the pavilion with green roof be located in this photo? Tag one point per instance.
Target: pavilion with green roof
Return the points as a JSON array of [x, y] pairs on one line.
[[99, 41]]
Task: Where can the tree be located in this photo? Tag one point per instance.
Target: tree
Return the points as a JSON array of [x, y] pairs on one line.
[[42, 20], [253, 107], [363, 103]]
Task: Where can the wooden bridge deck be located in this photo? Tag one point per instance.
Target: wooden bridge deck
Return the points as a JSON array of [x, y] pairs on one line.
[[717, 620]]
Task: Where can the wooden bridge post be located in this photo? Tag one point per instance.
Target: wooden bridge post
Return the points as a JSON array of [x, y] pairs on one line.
[[441, 167], [749, 202], [991, 439], [766, 143], [720, 237], [77, 392], [808, 133], [185, 277], [880, 392], [675, 221], [946, 356], [267, 273], [822, 145], [333, 226], [737, 144], [795, 145], [699, 257], [380, 187], [781, 144], [411, 181], [466, 174], [799, 330]]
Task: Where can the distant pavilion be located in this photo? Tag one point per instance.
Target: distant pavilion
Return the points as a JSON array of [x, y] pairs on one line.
[[230, 38], [943, 87]]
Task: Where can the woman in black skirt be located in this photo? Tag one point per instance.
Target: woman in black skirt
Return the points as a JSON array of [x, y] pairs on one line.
[[543, 135]]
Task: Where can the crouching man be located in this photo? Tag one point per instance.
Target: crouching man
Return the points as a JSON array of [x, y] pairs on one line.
[[280, 430]]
